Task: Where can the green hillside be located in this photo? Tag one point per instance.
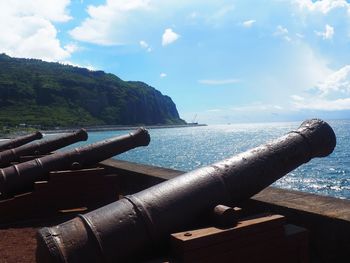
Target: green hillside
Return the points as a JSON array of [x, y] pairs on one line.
[[33, 92]]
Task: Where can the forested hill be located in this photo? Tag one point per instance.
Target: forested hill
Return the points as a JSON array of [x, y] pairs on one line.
[[34, 92]]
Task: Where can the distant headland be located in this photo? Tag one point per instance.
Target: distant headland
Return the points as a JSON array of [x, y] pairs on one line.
[[44, 95], [122, 128]]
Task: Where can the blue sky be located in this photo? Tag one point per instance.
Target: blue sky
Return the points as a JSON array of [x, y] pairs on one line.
[[224, 61]]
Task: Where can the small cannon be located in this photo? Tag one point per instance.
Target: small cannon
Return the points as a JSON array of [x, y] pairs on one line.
[[16, 142], [121, 231], [41, 147], [21, 177]]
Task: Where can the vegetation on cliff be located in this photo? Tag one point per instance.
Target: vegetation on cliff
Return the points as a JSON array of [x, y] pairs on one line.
[[44, 94]]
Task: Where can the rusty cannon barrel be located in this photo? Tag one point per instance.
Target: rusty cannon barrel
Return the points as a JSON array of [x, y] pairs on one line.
[[41, 147], [16, 142], [20, 177], [122, 230]]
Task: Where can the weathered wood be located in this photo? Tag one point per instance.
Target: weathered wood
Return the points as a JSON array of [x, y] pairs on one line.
[[65, 190], [195, 239], [260, 239], [297, 242]]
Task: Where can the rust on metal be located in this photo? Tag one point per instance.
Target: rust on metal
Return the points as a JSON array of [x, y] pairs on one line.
[[21, 177], [123, 230], [41, 147], [16, 142]]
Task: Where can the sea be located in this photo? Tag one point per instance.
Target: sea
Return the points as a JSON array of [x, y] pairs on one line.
[[193, 147]]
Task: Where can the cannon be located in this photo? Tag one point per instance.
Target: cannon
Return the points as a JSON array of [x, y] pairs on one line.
[[41, 147], [123, 230], [16, 142], [20, 178]]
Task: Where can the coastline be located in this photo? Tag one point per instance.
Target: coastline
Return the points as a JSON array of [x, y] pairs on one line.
[[121, 128]]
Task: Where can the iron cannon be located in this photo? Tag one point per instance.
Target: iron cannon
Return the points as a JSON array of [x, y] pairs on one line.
[[121, 231], [41, 147], [21, 177], [16, 142]]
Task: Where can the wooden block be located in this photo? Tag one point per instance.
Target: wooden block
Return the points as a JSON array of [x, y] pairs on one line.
[[260, 239], [40, 185], [292, 247], [211, 235], [76, 174], [297, 242], [89, 188]]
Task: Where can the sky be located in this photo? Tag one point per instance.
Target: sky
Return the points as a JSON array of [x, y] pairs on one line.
[[220, 61]]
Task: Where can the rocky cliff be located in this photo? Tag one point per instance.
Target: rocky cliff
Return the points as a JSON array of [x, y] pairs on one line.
[[34, 92]]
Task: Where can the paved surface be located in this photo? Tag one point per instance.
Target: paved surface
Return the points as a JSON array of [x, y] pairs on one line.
[[17, 245]]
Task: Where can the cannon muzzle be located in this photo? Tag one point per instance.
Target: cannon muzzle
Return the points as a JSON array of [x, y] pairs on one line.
[[20, 178], [124, 229], [16, 142], [41, 147]]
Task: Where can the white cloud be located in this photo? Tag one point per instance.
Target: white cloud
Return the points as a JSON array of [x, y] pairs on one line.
[[214, 110], [299, 69], [53, 10], [27, 29], [145, 46], [297, 98], [71, 48], [281, 31], [119, 22], [287, 38], [331, 94], [169, 37], [193, 15], [222, 12], [328, 33], [109, 24], [323, 104], [323, 6], [252, 112], [163, 75], [248, 23], [257, 107], [218, 81], [87, 66], [338, 81]]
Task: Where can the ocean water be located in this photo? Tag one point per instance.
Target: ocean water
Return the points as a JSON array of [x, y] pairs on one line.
[[189, 148]]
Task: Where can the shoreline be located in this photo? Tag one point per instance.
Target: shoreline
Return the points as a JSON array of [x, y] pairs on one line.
[[122, 128]]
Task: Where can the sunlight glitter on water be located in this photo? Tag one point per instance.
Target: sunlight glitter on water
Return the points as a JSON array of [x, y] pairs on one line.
[[190, 148]]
